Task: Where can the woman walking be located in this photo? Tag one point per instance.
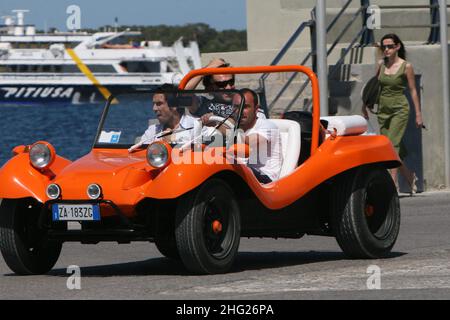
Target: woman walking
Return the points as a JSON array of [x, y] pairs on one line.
[[395, 75]]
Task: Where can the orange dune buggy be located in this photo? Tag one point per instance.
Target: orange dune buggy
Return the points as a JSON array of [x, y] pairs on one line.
[[196, 211]]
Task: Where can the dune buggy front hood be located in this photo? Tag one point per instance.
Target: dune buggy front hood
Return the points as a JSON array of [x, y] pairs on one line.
[[113, 170]]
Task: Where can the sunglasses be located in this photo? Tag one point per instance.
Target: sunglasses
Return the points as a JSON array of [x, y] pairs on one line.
[[224, 84], [388, 46]]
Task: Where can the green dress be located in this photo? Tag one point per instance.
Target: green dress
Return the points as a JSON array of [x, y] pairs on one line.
[[394, 107]]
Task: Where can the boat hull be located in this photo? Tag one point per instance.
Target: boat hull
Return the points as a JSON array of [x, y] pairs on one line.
[[65, 93]]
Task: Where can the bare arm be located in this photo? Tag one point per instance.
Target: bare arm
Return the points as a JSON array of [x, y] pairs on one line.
[[194, 82], [415, 97]]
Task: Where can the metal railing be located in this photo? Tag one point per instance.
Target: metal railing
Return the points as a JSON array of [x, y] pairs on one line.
[[434, 26], [262, 86], [311, 54], [363, 37], [344, 53]]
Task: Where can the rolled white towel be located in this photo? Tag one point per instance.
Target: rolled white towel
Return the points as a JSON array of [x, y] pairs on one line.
[[347, 125]]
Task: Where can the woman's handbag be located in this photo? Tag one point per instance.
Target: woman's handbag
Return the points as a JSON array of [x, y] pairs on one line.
[[371, 94]]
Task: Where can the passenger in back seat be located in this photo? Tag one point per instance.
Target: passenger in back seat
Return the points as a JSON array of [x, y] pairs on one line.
[[221, 103], [262, 136]]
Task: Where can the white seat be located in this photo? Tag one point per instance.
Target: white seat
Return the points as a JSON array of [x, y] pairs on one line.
[[290, 144]]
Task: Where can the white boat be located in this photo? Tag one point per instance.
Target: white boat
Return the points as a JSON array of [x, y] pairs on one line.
[[79, 67]]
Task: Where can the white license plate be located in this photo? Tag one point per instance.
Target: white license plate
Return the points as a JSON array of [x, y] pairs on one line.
[[76, 212]]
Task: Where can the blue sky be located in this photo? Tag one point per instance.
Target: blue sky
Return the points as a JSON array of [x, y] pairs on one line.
[[229, 14]]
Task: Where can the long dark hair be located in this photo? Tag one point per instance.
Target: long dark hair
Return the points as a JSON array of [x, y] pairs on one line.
[[396, 39]]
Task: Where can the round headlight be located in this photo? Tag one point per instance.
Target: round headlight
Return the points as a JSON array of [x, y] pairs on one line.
[[53, 191], [42, 155], [158, 155], [94, 191]]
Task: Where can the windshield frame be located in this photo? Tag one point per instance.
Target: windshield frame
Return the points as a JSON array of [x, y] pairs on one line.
[[112, 97]]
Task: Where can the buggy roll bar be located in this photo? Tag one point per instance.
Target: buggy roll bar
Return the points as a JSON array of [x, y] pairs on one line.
[[271, 69]]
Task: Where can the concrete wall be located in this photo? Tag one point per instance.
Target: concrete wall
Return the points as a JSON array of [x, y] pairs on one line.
[[427, 63], [271, 22]]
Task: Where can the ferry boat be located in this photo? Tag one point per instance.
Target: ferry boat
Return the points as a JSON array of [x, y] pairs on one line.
[[78, 67]]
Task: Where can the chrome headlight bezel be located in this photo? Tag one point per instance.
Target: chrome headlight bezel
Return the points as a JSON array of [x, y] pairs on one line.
[[94, 191], [158, 154], [52, 195], [41, 154]]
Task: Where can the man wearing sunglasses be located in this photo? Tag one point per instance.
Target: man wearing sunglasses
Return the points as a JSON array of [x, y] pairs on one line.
[[221, 102]]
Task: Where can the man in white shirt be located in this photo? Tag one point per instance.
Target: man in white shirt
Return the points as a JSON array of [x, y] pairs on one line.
[[263, 138], [171, 118]]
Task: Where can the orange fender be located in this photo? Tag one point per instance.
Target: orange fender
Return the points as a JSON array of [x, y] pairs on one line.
[[186, 172], [19, 179], [333, 157]]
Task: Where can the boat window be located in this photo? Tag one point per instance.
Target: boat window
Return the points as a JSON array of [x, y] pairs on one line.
[[102, 68], [58, 68], [141, 66], [69, 68], [23, 68]]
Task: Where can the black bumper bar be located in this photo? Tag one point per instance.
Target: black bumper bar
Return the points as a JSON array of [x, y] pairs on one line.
[[125, 231]]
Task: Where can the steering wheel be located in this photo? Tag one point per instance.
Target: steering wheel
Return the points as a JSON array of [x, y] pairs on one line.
[[229, 124]]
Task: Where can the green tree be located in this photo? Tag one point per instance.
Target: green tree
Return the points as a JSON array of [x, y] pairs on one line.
[[209, 39]]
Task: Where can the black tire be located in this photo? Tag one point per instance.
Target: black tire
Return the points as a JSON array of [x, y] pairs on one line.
[[208, 228], [167, 246], [165, 233], [25, 248], [365, 212]]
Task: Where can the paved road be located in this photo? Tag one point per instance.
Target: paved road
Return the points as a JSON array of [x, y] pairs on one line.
[[310, 268]]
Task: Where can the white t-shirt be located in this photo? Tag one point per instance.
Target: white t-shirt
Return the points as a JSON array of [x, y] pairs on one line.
[[186, 122], [266, 159]]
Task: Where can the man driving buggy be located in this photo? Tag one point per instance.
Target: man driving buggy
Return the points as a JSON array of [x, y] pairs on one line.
[[173, 124]]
